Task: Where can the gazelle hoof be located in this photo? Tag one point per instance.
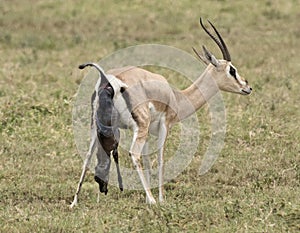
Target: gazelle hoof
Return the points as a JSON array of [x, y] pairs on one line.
[[150, 201], [74, 203]]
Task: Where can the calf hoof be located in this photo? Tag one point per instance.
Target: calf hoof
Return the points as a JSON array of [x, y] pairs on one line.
[[102, 185]]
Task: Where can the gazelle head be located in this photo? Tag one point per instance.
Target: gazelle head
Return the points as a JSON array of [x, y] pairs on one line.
[[222, 70]]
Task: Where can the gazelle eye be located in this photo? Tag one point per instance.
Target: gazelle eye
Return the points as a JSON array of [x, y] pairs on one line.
[[232, 72]]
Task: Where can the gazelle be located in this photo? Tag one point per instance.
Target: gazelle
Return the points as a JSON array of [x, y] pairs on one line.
[[150, 105]]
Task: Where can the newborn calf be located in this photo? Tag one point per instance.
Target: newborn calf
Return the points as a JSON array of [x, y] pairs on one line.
[[108, 134], [105, 133]]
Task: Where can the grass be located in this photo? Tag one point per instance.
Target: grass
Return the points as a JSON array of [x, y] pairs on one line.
[[253, 187]]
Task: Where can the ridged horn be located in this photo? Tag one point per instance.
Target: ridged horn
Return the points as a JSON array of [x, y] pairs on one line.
[[220, 42]]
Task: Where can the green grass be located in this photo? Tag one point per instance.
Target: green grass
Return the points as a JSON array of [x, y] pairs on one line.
[[253, 187]]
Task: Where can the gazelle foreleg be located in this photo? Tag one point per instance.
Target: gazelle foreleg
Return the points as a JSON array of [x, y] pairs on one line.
[[147, 165], [146, 161], [86, 163], [162, 135]]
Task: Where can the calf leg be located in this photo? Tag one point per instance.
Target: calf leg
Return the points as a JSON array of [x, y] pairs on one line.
[[116, 159], [102, 169]]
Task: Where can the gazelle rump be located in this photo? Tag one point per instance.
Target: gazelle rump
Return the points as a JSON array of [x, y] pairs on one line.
[[150, 105]]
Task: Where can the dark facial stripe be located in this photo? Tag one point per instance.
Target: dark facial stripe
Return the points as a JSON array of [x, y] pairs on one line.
[[232, 72]]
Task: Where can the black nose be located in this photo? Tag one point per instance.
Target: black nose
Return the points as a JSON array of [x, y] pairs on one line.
[[250, 88]]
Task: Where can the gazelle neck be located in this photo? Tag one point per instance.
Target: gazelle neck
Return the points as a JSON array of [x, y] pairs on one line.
[[195, 96]]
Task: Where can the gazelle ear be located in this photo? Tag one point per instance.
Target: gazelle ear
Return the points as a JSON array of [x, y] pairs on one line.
[[209, 57], [201, 57]]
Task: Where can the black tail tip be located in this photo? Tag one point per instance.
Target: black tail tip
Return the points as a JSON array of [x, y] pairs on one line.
[[82, 66]]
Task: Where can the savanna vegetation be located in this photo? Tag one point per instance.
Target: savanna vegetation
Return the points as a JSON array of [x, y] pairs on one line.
[[253, 187]]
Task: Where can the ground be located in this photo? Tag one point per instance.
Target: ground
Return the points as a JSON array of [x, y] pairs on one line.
[[253, 187]]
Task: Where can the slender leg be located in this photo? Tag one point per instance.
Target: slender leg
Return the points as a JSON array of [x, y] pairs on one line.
[[147, 165], [116, 159], [85, 167], [102, 169], [136, 149], [146, 161], [161, 141]]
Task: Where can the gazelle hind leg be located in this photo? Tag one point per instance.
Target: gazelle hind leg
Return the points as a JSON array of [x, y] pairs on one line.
[[135, 152], [86, 163]]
